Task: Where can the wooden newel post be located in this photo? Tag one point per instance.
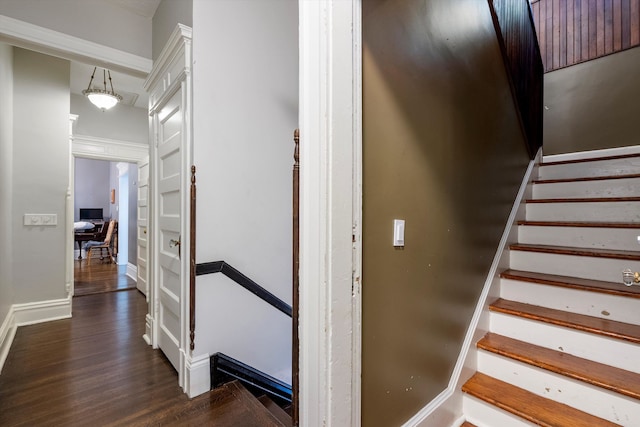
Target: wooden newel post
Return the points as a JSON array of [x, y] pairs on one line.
[[192, 262], [296, 280]]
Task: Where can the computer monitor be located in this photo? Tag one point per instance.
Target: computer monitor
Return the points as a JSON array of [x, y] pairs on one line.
[[91, 214]]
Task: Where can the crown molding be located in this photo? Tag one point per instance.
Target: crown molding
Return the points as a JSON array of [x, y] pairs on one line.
[[44, 40]]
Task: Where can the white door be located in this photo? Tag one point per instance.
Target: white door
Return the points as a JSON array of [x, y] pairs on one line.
[[143, 224], [169, 172]]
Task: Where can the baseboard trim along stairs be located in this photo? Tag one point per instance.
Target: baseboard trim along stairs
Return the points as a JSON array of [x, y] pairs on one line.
[[563, 346]]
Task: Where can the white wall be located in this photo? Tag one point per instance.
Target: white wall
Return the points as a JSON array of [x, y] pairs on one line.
[[91, 186], [121, 123], [40, 173], [245, 80], [91, 20], [6, 178], [168, 14]]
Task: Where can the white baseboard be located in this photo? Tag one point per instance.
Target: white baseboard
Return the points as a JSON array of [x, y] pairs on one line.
[[446, 408], [29, 314], [41, 311], [198, 375], [580, 155], [132, 271], [7, 333]]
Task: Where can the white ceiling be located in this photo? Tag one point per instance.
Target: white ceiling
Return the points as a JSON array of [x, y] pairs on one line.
[[131, 88]]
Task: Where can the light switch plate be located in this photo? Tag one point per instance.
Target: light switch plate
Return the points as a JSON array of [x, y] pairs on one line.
[[398, 232], [41, 219]]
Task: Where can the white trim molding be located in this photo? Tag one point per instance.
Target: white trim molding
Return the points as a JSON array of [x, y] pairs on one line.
[[446, 408], [41, 311], [7, 333], [93, 147], [44, 40], [132, 271], [330, 81], [197, 375]]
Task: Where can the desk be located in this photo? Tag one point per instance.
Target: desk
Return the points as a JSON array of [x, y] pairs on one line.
[[84, 236]]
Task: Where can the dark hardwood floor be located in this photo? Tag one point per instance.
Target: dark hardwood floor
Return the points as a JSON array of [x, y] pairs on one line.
[[96, 370], [99, 277]]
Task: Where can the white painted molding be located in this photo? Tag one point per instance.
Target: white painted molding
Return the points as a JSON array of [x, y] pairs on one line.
[[132, 271], [329, 389], [7, 333], [54, 43], [42, 311], [108, 149], [198, 375], [446, 408], [148, 330], [181, 35], [580, 155]]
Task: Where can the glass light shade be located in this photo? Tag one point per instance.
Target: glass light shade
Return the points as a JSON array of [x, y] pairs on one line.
[[102, 100], [627, 277]]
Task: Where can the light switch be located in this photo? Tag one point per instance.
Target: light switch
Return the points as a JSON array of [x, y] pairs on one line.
[[41, 219], [398, 232]]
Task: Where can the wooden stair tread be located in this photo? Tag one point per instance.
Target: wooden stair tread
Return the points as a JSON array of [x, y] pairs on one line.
[[531, 407], [586, 178], [581, 224], [585, 200], [594, 373], [568, 250], [593, 159], [611, 288], [276, 410], [467, 424], [595, 325]]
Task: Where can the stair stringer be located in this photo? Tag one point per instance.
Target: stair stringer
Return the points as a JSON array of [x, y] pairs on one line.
[[446, 408]]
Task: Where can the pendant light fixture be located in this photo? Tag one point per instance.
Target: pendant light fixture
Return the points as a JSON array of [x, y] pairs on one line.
[[102, 98]]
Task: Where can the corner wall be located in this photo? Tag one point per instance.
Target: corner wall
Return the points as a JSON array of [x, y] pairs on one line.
[[40, 174], [245, 104], [443, 150], [593, 105]]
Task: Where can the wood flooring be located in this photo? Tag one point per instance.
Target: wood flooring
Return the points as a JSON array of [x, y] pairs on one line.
[[100, 277], [96, 370]]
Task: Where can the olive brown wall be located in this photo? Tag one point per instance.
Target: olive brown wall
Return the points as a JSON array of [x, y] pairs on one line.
[[443, 150], [593, 105]]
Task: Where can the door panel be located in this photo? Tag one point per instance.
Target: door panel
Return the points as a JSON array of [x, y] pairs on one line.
[[142, 224], [169, 161]]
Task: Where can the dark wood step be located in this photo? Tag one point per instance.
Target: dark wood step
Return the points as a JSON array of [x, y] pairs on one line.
[[467, 424], [599, 286], [531, 407], [594, 325], [585, 200], [567, 250], [584, 224], [586, 178], [276, 410], [594, 159], [594, 373]]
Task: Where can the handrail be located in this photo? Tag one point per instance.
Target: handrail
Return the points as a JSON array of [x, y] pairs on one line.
[[235, 275]]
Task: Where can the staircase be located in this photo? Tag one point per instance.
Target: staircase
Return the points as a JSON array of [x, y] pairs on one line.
[[564, 341]]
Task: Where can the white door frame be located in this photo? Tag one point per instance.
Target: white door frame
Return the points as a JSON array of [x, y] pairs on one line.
[[88, 147], [330, 212]]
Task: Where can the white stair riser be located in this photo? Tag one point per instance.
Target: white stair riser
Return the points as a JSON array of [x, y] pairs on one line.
[[591, 399], [622, 187], [607, 269], [483, 414], [604, 306], [625, 239], [609, 351], [624, 166], [584, 211]]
